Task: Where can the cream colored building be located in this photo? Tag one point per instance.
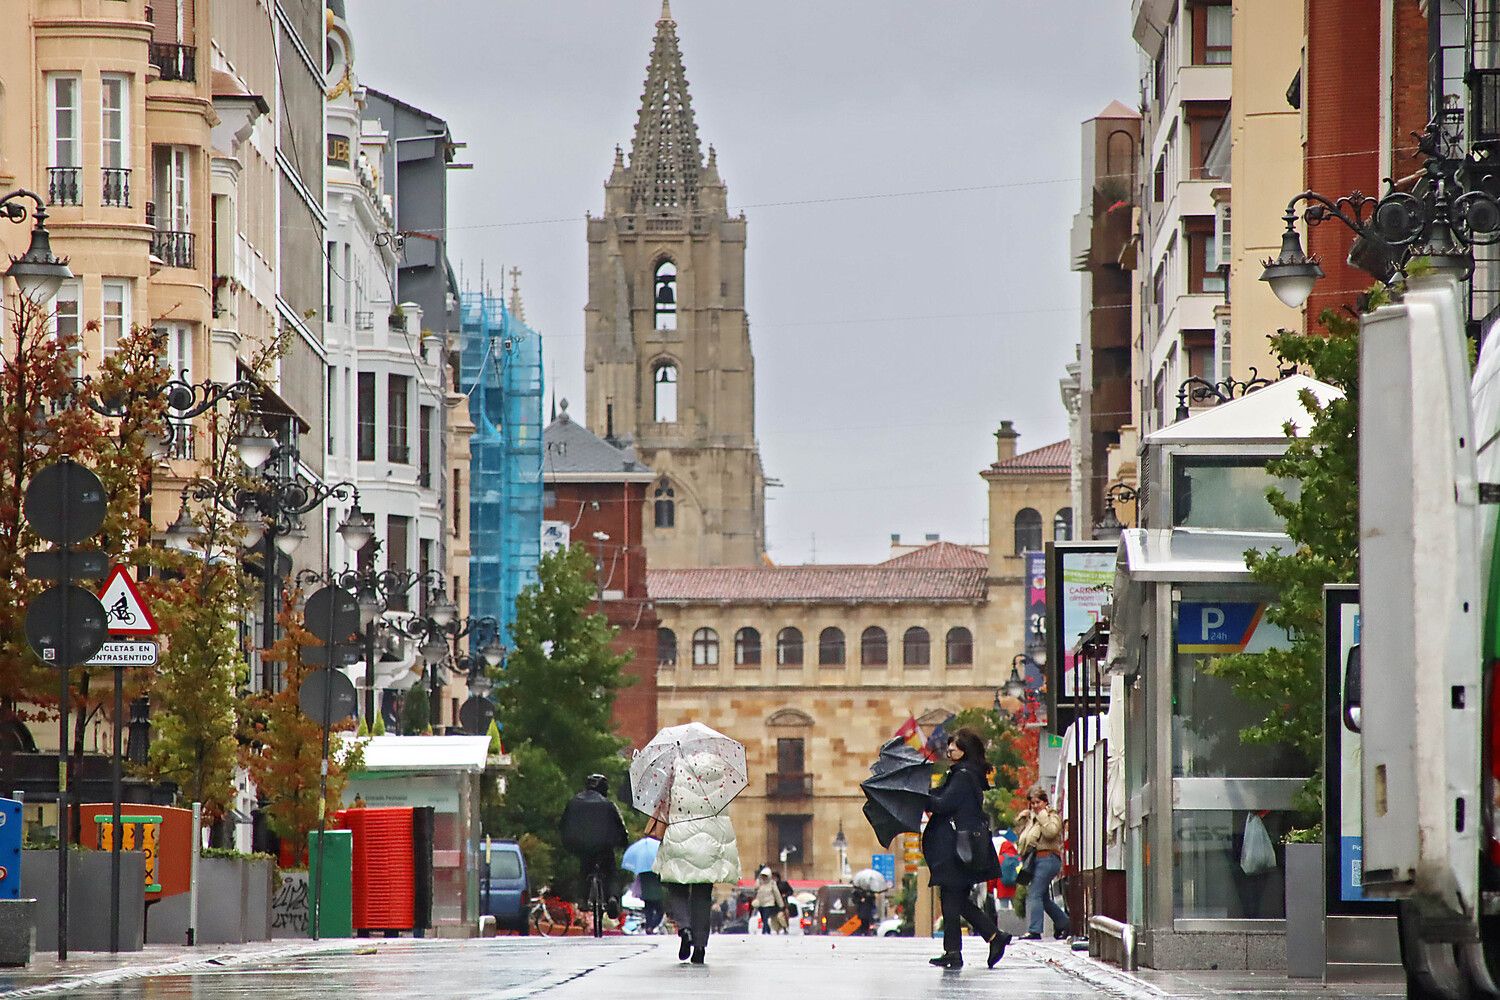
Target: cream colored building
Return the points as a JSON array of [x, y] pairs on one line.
[[814, 667], [667, 351]]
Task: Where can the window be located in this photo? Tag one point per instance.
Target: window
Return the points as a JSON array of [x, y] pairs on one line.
[[664, 295], [666, 648], [1226, 493], [1204, 276], [62, 91], [328, 254], [790, 780], [114, 136], [1218, 47], [366, 416], [872, 647], [424, 444], [179, 356], [397, 401], [171, 166], [1062, 525], [705, 648], [959, 646], [458, 475], [747, 647], [664, 393], [789, 835], [397, 556], [665, 506], [116, 316], [916, 647], [1028, 531], [789, 648], [67, 316], [830, 647]]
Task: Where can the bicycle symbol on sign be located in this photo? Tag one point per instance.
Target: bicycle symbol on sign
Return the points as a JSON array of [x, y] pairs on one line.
[[120, 612]]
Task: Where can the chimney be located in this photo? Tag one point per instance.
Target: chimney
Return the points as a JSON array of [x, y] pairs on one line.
[[1005, 441], [895, 538], [933, 536]]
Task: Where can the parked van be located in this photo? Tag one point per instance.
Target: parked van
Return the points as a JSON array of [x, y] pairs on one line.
[[834, 908], [504, 893]]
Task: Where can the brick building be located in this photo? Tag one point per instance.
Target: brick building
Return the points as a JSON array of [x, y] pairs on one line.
[[595, 496]]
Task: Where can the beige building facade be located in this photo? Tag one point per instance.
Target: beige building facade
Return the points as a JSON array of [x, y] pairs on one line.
[[667, 353]]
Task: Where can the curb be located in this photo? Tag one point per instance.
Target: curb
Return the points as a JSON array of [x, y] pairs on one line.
[[1100, 976], [106, 977]]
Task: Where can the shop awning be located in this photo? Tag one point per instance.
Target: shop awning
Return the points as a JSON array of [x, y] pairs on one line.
[[425, 753]]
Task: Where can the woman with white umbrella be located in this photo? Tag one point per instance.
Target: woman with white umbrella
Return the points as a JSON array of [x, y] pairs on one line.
[[698, 849]]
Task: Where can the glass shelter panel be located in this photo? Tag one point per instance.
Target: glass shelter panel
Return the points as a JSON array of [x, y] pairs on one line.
[[1226, 493]]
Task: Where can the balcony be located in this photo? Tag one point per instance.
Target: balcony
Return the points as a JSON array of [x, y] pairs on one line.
[[788, 785], [364, 321], [63, 187], [176, 62], [173, 248], [116, 191]]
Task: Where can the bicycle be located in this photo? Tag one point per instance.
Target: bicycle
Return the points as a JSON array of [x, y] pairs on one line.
[[551, 915]]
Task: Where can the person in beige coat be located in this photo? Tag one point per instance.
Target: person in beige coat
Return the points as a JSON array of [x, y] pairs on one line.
[[1041, 830]]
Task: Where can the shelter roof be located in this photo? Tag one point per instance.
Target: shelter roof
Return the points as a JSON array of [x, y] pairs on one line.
[[1258, 417]]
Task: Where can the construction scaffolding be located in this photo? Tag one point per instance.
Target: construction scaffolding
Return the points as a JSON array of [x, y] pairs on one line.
[[500, 368]]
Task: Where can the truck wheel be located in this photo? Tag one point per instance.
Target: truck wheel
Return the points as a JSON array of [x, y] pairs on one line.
[[1432, 968]]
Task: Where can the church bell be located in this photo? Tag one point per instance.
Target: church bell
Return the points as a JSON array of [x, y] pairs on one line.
[[664, 295]]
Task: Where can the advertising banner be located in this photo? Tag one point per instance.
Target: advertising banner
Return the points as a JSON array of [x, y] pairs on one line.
[[1079, 579]]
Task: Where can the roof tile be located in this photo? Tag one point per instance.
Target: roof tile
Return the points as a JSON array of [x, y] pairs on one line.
[[1053, 459]]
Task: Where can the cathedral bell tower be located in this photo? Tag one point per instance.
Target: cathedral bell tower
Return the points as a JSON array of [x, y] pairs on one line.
[[667, 352]]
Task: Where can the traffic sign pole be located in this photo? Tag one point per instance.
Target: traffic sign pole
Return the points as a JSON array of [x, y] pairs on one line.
[[114, 841]]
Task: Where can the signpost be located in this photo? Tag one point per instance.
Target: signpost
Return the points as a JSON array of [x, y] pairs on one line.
[[474, 715], [65, 624]]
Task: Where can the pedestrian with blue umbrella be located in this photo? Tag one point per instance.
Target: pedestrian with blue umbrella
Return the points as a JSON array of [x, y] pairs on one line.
[[639, 858]]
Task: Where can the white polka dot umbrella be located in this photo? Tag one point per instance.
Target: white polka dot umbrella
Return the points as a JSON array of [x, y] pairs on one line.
[[651, 768]]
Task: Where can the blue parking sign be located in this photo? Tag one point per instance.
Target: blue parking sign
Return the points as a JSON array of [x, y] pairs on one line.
[[885, 864], [10, 849]]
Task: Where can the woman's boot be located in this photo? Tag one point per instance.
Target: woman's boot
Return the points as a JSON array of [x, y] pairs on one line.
[[948, 960], [686, 946]]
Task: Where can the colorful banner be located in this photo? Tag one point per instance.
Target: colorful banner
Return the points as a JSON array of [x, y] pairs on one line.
[[1036, 600], [1084, 585]]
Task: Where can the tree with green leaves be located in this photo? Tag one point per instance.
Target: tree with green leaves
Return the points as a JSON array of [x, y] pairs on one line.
[[1005, 749], [416, 717], [1322, 520], [554, 701]]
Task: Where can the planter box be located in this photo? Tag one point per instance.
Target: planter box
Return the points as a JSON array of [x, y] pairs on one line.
[[1305, 909], [290, 906], [234, 900], [88, 898], [260, 888], [17, 931]]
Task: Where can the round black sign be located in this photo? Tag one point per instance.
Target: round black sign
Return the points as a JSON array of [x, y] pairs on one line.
[[475, 715], [332, 614], [66, 625], [327, 694], [65, 503]]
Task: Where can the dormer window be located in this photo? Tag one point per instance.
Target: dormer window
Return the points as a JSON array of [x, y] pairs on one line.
[[664, 295]]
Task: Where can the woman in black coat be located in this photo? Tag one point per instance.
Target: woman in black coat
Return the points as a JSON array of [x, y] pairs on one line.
[[958, 804]]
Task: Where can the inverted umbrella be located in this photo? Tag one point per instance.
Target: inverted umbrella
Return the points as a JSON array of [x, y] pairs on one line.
[[641, 855], [897, 791], [652, 768]]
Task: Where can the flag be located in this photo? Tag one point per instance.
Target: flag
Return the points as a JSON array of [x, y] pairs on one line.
[[937, 743], [911, 734]]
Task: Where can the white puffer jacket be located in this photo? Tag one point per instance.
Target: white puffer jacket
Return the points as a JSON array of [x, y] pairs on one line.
[[699, 846]]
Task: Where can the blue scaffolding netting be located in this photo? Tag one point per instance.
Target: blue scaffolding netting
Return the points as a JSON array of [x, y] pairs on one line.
[[500, 368]]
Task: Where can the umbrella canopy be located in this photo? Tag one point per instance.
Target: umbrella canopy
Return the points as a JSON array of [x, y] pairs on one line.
[[870, 880], [896, 791], [651, 769], [641, 855]]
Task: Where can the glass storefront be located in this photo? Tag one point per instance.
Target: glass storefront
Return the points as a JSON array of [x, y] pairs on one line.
[[1220, 865]]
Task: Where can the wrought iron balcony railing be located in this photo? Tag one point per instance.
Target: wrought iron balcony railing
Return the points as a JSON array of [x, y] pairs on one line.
[[173, 248], [788, 785], [63, 187], [176, 62], [116, 192]]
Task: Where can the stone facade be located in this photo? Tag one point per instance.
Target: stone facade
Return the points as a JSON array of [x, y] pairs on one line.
[[667, 354]]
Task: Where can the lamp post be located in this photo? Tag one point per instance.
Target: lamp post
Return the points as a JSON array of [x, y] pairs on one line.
[[1196, 389], [38, 272], [438, 633], [1442, 217], [841, 848], [270, 507], [1108, 527]]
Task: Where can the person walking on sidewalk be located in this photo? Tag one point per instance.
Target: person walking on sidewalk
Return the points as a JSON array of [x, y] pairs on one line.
[[958, 805], [1041, 830], [698, 849], [768, 900]]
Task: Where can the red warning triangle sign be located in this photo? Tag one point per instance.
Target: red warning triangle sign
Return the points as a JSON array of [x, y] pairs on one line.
[[125, 609]]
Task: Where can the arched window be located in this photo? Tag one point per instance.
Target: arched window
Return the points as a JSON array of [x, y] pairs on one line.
[[664, 295], [830, 647], [960, 643], [747, 647], [1028, 531], [664, 393], [916, 647], [872, 647], [1062, 525], [665, 505], [789, 648], [666, 647], [705, 648]]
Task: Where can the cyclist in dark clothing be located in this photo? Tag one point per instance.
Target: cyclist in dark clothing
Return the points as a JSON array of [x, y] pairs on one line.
[[592, 831]]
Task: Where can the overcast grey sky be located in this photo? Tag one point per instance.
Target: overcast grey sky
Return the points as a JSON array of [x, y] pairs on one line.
[[909, 170]]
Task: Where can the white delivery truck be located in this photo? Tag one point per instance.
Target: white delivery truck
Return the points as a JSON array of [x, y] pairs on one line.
[[1429, 709]]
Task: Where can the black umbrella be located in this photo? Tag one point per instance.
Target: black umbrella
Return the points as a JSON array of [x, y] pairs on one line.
[[896, 791]]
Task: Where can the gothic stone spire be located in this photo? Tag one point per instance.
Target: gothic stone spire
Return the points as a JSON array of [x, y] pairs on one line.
[[665, 158]]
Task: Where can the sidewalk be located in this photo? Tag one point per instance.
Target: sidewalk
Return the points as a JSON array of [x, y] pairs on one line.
[[46, 976], [1151, 983]]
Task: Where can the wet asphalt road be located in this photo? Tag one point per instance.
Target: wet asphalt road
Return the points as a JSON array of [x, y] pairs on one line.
[[739, 966]]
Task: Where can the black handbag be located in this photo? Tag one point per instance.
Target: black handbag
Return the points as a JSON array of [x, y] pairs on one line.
[[1027, 871]]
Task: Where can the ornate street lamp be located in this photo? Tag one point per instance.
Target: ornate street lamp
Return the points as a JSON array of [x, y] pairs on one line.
[[1108, 527], [38, 272], [1443, 216], [1201, 390]]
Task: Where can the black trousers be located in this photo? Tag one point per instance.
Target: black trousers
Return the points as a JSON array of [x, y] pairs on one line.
[[689, 906], [956, 903]]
